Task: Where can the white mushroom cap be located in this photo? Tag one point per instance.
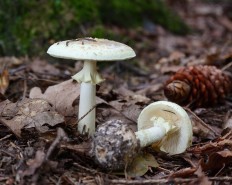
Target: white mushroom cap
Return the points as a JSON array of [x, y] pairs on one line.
[[177, 139], [91, 49]]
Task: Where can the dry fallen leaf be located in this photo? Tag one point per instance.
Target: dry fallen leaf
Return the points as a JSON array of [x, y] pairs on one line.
[[4, 81], [128, 109], [141, 164], [217, 153], [184, 172], [201, 129], [131, 96], [43, 67], [217, 160], [28, 113], [107, 112], [217, 145], [130, 104], [202, 178], [62, 96]]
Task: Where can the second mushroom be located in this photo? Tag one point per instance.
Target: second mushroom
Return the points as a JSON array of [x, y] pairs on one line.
[[164, 125], [90, 50]]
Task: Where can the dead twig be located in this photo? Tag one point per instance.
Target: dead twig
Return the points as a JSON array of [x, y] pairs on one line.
[[86, 169], [162, 181], [61, 135], [6, 137], [227, 66], [20, 68], [7, 153], [86, 114], [201, 121]]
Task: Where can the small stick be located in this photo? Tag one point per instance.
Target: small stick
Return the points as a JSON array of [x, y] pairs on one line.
[[86, 169], [162, 181], [227, 66], [86, 114], [201, 121], [61, 135], [6, 137]]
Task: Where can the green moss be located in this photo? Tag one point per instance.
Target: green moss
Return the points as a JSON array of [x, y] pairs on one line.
[[29, 27], [132, 13], [124, 13]]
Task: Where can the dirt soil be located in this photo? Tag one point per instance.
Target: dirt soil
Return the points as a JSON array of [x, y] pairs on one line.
[[39, 143]]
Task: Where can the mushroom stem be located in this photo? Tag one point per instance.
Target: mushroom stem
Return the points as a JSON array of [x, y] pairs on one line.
[[151, 135], [88, 77], [154, 134], [86, 103]]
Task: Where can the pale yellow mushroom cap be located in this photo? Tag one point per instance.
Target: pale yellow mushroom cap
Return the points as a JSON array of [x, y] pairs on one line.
[[176, 140], [91, 49]]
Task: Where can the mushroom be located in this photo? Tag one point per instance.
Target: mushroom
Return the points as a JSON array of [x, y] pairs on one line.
[[90, 50], [164, 125], [173, 123]]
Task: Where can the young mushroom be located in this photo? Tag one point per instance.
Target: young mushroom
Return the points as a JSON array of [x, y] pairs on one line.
[[164, 125], [90, 50]]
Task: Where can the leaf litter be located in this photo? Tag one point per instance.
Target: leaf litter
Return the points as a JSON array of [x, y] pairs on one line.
[[40, 103], [28, 113], [62, 99]]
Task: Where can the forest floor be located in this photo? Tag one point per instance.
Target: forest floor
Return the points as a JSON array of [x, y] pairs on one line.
[[38, 139]]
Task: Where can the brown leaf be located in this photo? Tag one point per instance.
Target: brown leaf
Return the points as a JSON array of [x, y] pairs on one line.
[[8, 109], [4, 81], [141, 164], [28, 113], [129, 103], [130, 96], [217, 160], [129, 110], [62, 96], [203, 130], [214, 146], [43, 67], [185, 172], [202, 178], [107, 112], [218, 152]]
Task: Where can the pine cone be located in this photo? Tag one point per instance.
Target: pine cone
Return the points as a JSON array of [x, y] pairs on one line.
[[198, 86]]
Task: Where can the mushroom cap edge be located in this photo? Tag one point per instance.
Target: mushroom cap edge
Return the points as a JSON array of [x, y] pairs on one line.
[[91, 49]]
